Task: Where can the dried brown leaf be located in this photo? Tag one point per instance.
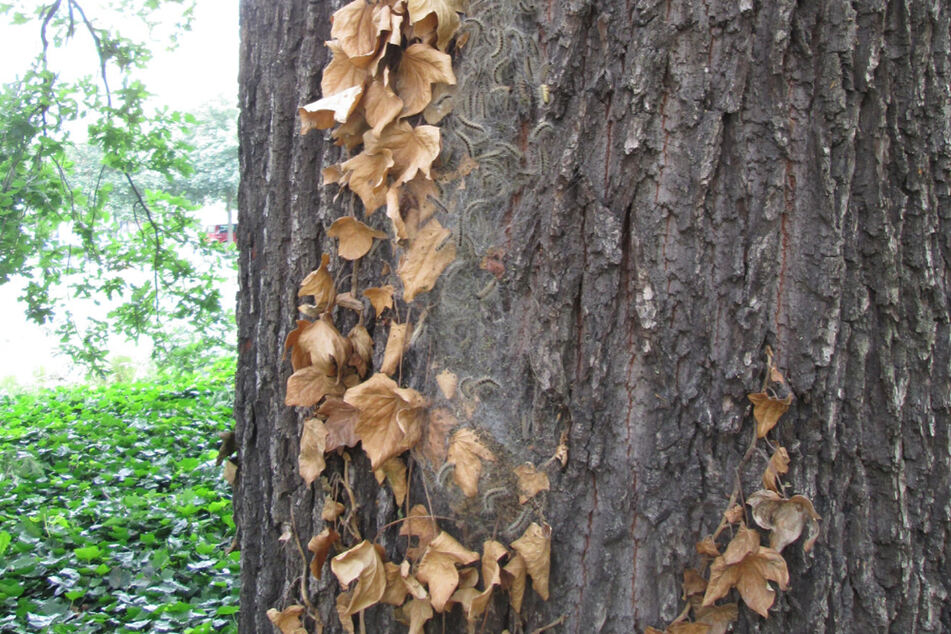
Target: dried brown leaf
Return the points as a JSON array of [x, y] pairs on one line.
[[441, 104], [447, 382], [341, 423], [362, 343], [308, 385], [433, 447], [356, 29], [380, 297], [332, 510], [320, 284], [299, 357], [288, 620], [414, 149], [429, 255], [382, 106], [394, 472], [514, 577], [708, 547], [320, 545], [418, 524], [747, 566], [445, 12], [396, 344], [717, 617], [535, 548], [466, 453], [437, 568], [327, 112], [395, 592], [785, 519], [767, 411], [329, 350], [355, 237], [778, 465], [734, 514], [342, 72], [310, 462], [693, 583], [362, 562], [389, 419], [420, 67], [418, 612], [366, 176], [530, 482]]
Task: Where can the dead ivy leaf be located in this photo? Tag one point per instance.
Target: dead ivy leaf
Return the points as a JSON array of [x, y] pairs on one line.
[[230, 472], [310, 462], [530, 481], [350, 136], [466, 452], [380, 297], [420, 67], [355, 237], [320, 545], [342, 72], [514, 576], [437, 568], [393, 213], [413, 149], [348, 301], [767, 411], [308, 385], [441, 105], [447, 382], [362, 344], [390, 418], [362, 562], [428, 256], [785, 519], [418, 524], [327, 112], [778, 465], [288, 619], [693, 583], [396, 591], [332, 510], [397, 343], [341, 421], [708, 547], [535, 548], [747, 566], [299, 357], [394, 472], [320, 284], [433, 447], [418, 612], [356, 29], [382, 105], [717, 617], [734, 514], [341, 605], [366, 176], [329, 350], [446, 15]]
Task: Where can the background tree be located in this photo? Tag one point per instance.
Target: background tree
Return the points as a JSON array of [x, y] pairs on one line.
[[687, 183]]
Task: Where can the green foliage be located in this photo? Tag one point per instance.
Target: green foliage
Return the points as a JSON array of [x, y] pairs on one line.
[[109, 219], [113, 515]]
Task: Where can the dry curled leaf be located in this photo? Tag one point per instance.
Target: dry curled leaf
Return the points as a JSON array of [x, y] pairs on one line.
[[380, 297], [396, 591], [366, 175], [320, 545], [530, 481], [708, 547], [362, 343], [747, 566], [329, 350], [445, 12], [310, 462], [389, 419], [447, 382], [437, 568], [332, 510], [299, 357], [778, 465], [514, 577], [418, 524], [413, 149], [439, 422], [308, 385], [397, 343], [535, 548], [428, 256], [230, 472], [717, 617], [767, 410], [394, 472], [420, 67], [356, 29], [325, 113], [320, 284], [341, 73], [288, 619], [734, 514], [693, 583], [341, 422], [418, 612], [382, 105], [362, 562], [466, 453], [785, 519], [355, 237]]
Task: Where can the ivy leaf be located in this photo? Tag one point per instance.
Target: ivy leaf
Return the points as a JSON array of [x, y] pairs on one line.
[[448, 382], [362, 344], [433, 446], [466, 453], [397, 343], [288, 619], [420, 67], [320, 284], [717, 617], [389, 419], [381, 105], [366, 176], [320, 545], [447, 19], [380, 297], [414, 149], [437, 568], [535, 548], [428, 256], [530, 481], [329, 350], [778, 465], [396, 591], [342, 72], [341, 421], [355, 237], [394, 472], [300, 358], [767, 410], [356, 29], [308, 385], [515, 578], [747, 566], [420, 525], [332, 510], [785, 519], [418, 612], [362, 562], [325, 113], [310, 462]]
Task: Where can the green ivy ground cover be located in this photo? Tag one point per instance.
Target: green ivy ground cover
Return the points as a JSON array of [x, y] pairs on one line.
[[113, 515]]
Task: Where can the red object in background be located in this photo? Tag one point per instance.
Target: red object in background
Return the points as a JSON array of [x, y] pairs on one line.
[[220, 233]]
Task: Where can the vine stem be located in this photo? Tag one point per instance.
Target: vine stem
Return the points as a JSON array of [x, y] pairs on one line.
[[314, 614]]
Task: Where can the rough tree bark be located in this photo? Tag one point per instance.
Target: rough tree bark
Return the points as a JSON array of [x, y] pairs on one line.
[[718, 176]]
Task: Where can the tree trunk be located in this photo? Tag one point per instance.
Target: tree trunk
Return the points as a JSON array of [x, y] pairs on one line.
[[716, 177]]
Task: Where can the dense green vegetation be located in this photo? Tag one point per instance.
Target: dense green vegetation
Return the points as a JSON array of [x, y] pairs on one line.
[[113, 515]]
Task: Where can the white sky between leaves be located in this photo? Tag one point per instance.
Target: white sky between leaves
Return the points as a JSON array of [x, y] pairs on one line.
[[203, 68]]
